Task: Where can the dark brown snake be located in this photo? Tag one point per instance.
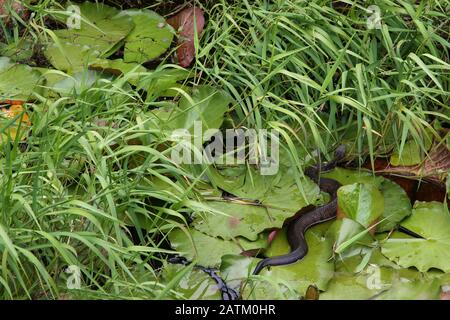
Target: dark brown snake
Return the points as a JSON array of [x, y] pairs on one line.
[[297, 228]]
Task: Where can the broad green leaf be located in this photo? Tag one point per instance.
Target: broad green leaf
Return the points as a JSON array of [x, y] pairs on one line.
[[116, 67], [20, 50], [194, 285], [151, 37], [102, 28], [363, 203], [264, 201], [291, 281], [204, 110], [397, 205], [347, 176], [77, 83], [18, 81], [411, 154], [70, 57], [381, 283], [431, 221], [207, 250], [348, 237], [246, 220]]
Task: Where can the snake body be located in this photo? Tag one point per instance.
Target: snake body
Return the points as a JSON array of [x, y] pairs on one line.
[[297, 228]]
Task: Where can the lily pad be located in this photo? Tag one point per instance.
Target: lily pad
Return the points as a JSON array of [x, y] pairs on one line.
[[77, 83], [206, 108], [263, 202], [397, 205], [347, 176], [349, 237], [432, 222], [207, 251], [102, 28], [293, 280], [151, 37], [194, 285], [381, 283], [18, 81], [411, 154], [363, 203], [118, 67], [246, 220]]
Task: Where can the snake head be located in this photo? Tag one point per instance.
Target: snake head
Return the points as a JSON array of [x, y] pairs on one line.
[[340, 153]]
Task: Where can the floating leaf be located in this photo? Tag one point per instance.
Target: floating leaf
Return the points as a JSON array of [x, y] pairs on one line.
[[187, 23], [20, 50], [348, 236], [264, 202], [151, 37], [18, 81], [397, 205], [102, 28], [431, 221], [293, 280], [207, 250], [240, 220], [411, 154], [77, 83], [115, 67], [377, 282], [347, 176], [206, 108], [363, 203], [194, 285]]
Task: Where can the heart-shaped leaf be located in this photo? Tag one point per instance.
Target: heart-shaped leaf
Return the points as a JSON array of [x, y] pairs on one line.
[[207, 251], [101, 29], [363, 203], [432, 222], [151, 37]]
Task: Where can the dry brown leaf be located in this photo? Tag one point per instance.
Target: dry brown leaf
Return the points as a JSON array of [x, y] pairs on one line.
[[17, 6], [184, 23], [24, 121]]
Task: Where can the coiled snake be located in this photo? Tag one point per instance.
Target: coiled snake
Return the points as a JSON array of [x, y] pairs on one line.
[[297, 228]]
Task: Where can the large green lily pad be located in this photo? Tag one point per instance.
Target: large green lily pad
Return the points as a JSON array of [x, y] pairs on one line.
[[347, 176], [411, 154], [245, 220], [207, 251], [397, 205], [292, 280], [151, 37], [206, 107], [431, 221], [264, 201], [193, 285], [363, 203], [102, 29], [382, 283], [18, 81]]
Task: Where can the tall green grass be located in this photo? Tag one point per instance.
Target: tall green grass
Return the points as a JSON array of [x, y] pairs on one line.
[[83, 187]]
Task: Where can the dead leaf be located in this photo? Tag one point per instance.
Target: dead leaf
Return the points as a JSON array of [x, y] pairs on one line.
[[183, 22], [21, 123], [17, 6], [433, 169]]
